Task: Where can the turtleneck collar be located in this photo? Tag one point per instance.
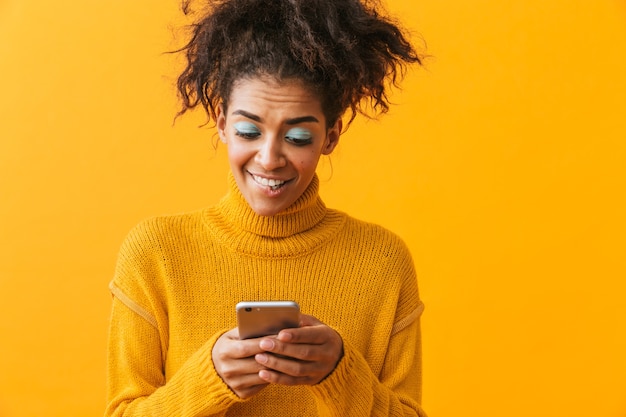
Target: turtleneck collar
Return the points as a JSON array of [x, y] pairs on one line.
[[302, 226], [302, 215]]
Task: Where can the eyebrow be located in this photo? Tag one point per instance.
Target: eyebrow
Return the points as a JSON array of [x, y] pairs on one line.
[[294, 121]]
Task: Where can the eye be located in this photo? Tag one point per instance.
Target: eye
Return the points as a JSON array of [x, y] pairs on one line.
[[247, 130], [299, 136]]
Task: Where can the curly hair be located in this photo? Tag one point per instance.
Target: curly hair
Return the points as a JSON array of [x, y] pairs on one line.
[[346, 51]]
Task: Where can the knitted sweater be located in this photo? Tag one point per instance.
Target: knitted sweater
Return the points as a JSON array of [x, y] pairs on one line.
[[179, 277]]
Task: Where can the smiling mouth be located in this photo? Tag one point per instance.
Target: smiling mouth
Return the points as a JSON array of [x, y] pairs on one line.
[[266, 182]]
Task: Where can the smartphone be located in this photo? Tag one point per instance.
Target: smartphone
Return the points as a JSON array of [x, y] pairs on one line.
[[264, 318]]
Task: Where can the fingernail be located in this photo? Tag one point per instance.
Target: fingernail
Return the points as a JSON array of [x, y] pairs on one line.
[[266, 344], [261, 358]]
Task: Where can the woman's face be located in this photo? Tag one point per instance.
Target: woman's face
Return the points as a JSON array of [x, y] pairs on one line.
[[275, 132]]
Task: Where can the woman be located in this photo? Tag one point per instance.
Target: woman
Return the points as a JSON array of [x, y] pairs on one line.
[[276, 77]]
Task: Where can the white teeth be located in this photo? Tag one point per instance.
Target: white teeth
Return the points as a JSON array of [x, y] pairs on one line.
[[268, 182]]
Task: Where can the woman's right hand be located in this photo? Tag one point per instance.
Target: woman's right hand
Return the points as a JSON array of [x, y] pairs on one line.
[[234, 362]]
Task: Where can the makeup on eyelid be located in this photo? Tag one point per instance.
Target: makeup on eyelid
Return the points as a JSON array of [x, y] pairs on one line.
[[296, 133], [299, 133], [246, 127]]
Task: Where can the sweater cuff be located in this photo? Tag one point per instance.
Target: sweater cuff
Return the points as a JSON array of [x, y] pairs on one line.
[[210, 383], [348, 378]]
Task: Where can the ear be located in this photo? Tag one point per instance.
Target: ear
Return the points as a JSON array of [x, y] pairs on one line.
[[220, 123], [332, 137]]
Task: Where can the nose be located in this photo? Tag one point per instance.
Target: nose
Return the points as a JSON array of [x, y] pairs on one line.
[[270, 154]]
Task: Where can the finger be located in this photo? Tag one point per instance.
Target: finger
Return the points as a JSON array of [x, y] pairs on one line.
[[243, 382], [312, 366], [233, 348], [312, 334], [273, 377], [233, 369], [241, 376], [249, 391], [287, 365], [298, 351]]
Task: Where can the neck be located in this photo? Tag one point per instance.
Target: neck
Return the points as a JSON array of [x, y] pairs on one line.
[[302, 215], [301, 228]]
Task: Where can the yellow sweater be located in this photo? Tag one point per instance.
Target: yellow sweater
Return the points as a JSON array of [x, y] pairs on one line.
[[178, 279]]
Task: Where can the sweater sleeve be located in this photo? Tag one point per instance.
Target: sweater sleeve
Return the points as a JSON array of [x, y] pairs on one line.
[[353, 390], [394, 389], [136, 380], [137, 349]]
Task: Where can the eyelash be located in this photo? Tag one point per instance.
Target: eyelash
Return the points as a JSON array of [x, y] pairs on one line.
[[247, 135], [298, 142]]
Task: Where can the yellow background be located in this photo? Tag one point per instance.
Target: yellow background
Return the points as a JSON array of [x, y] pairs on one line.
[[503, 167]]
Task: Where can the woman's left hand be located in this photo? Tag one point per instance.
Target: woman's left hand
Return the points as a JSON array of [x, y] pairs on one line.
[[300, 356]]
